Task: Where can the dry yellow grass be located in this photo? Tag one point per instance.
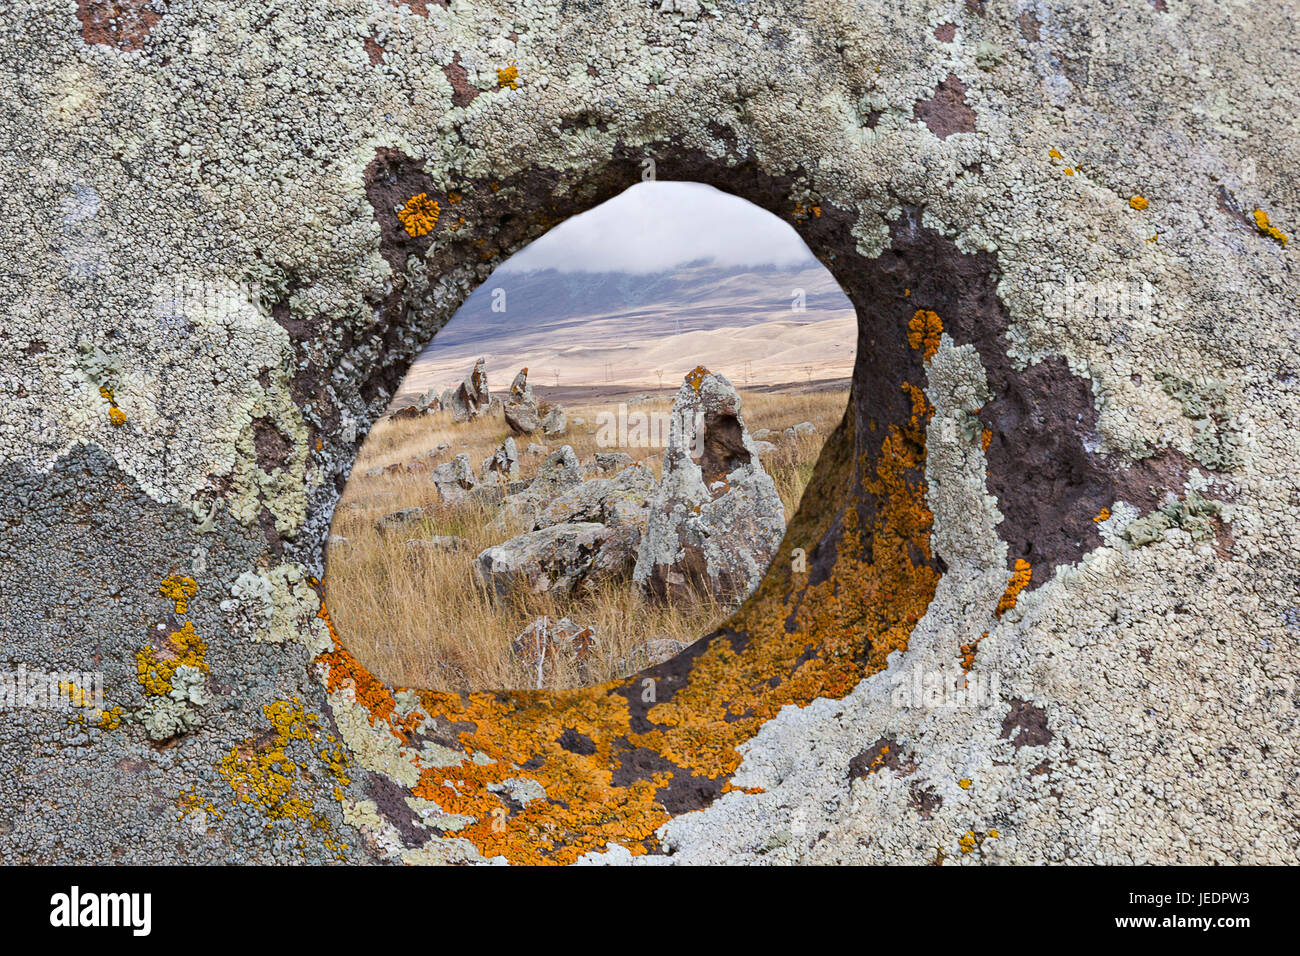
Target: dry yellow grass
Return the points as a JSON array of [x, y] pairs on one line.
[[419, 617]]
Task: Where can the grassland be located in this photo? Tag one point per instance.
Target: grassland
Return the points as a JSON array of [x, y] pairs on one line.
[[419, 618]]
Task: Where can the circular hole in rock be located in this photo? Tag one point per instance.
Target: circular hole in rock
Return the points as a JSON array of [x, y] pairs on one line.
[[595, 460]]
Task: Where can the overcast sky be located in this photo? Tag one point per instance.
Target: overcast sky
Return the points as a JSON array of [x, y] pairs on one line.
[[658, 225]]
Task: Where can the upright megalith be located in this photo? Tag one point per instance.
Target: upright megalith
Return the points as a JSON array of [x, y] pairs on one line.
[[521, 407], [471, 398], [716, 519]]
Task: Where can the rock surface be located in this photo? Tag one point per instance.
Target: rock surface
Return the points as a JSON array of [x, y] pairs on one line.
[[471, 398], [555, 422], [503, 463], [223, 248], [521, 407], [454, 480], [558, 474], [427, 403], [560, 560], [716, 519]]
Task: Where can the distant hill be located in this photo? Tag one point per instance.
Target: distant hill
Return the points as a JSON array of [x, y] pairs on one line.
[[619, 328]]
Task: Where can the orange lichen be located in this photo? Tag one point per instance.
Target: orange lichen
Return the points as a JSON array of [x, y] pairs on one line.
[[968, 653], [180, 590], [345, 670], [1019, 581], [678, 731], [695, 377], [964, 783], [1055, 153], [1102, 515], [1069, 171], [986, 437], [508, 77], [924, 331], [419, 215], [1267, 228], [1138, 202]]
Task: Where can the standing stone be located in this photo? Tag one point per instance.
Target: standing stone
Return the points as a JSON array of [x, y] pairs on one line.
[[716, 519], [555, 422], [471, 398], [503, 462], [520, 390], [521, 408]]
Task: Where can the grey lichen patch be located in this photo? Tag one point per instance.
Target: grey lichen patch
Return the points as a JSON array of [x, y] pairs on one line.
[[279, 605], [1215, 442]]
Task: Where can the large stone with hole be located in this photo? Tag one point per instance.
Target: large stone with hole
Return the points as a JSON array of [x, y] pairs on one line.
[[716, 519], [1068, 450]]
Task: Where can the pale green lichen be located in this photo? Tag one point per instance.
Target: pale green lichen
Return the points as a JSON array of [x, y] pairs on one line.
[[176, 712], [1215, 442], [281, 606], [1193, 514]]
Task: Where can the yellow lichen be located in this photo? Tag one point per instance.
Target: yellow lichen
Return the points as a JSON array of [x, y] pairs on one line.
[[156, 667], [1102, 515], [116, 417], [972, 841], [261, 773], [508, 77], [419, 215], [1267, 228], [179, 589], [964, 783], [1138, 202]]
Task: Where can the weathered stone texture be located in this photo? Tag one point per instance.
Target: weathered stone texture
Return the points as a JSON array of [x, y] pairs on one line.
[[1065, 227]]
